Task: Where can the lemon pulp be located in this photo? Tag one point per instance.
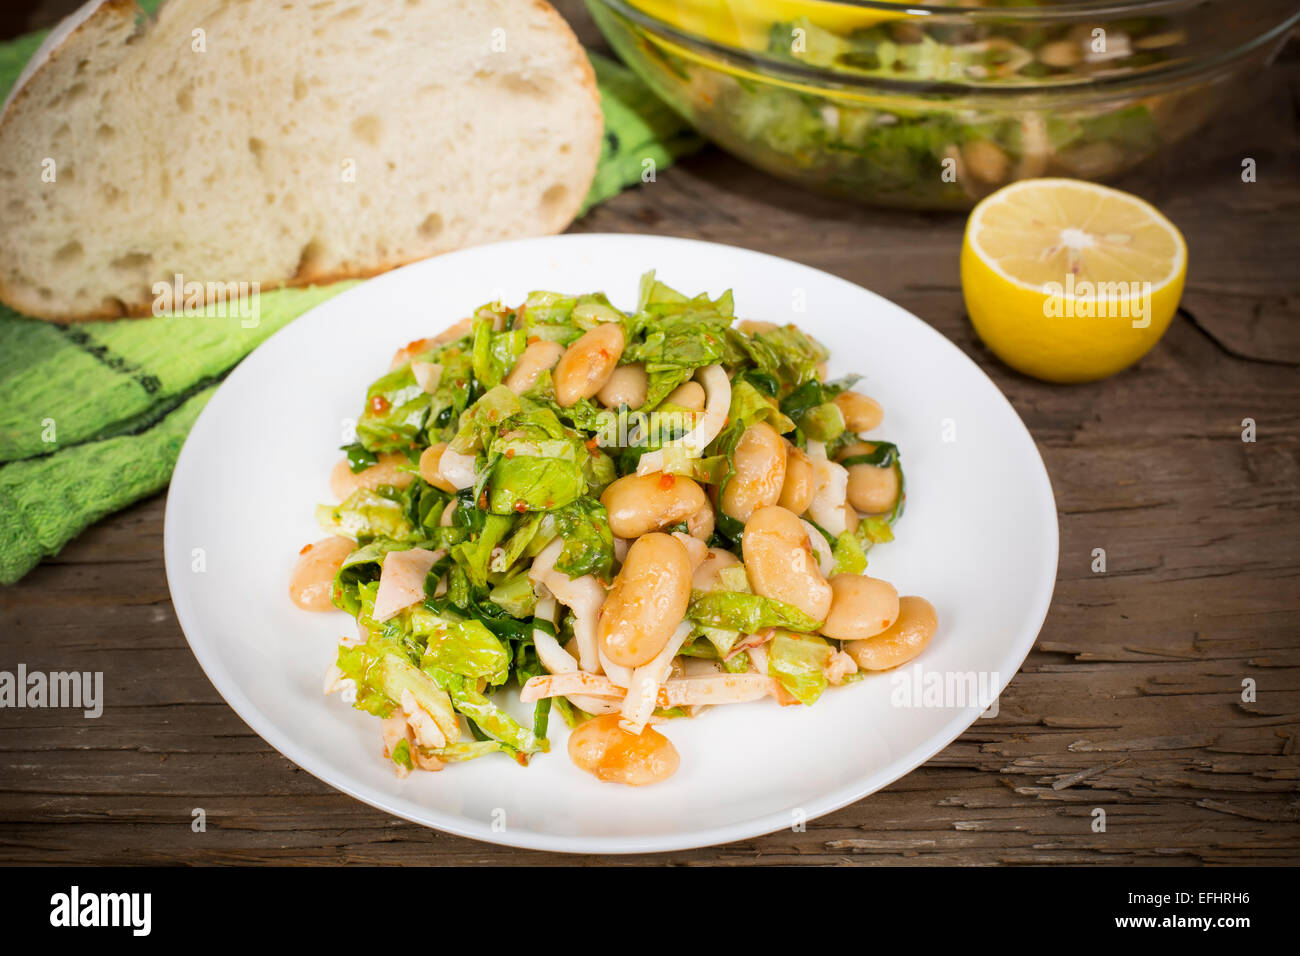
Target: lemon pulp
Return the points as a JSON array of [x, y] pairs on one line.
[[1069, 281]]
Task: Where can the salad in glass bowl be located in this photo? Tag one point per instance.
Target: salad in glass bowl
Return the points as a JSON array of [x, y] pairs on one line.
[[937, 105]]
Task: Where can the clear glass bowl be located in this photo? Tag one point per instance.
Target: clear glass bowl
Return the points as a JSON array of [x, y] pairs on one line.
[[936, 106]]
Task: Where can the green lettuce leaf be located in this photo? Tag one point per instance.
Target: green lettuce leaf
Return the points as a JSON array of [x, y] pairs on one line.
[[359, 568], [487, 716], [402, 754], [747, 613], [797, 354], [723, 639], [479, 422], [461, 646], [850, 556], [737, 663], [515, 596], [394, 413], [383, 512], [533, 483], [588, 542], [359, 457], [593, 309], [810, 406], [474, 555], [799, 662], [654, 298], [495, 353], [382, 672], [470, 750]]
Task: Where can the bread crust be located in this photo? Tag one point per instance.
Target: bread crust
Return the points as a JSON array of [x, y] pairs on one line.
[[115, 10]]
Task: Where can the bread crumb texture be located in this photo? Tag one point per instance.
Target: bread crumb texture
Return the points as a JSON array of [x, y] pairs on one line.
[[286, 143]]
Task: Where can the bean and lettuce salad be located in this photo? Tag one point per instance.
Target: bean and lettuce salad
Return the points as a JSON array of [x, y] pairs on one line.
[[472, 546]]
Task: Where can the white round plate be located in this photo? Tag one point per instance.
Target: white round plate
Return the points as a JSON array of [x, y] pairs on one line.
[[978, 539]]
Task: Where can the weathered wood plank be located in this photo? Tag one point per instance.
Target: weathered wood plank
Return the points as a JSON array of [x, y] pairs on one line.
[[1131, 701]]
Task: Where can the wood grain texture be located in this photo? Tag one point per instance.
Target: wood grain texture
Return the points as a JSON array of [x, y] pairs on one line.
[[1130, 701]]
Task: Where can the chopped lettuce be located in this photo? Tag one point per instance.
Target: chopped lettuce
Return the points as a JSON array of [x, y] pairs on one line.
[[533, 483], [402, 754], [748, 613], [468, 649], [495, 353], [515, 596], [365, 514], [797, 355], [394, 412], [382, 673], [799, 662], [588, 542], [850, 556], [487, 716], [737, 663], [547, 315], [479, 422], [723, 639], [810, 406], [359, 456], [474, 555]]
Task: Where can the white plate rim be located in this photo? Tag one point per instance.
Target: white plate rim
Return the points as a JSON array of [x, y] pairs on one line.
[[892, 771]]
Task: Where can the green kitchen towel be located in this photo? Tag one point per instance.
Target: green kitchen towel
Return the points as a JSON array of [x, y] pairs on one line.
[[46, 502], [92, 415]]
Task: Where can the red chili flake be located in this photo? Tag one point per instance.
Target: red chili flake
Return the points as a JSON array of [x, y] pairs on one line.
[[379, 404], [510, 453], [534, 339], [592, 444], [482, 501], [666, 481], [305, 549], [521, 506]]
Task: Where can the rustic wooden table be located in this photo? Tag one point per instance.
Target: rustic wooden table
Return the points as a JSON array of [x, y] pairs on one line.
[[1131, 700]]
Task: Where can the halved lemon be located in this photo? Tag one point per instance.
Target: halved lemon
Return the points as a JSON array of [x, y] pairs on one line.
[[1069, 281]]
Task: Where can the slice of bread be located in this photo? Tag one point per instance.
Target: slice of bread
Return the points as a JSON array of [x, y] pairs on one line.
[[291, 142]]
